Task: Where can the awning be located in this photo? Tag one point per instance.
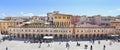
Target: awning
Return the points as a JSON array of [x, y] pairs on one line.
[[48, 37], [113, 35]]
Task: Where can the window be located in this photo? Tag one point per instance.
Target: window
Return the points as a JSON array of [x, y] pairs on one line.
[[64, 31], [33, 30], [102, 30], [61, 30], [94, 30], [77, 30], [81, 30], [55, 30], [50, 30], [98, 31], [63, 17], [59, 17], [46, 30], [22, 30], [41, 30], [69, 31], [37, 30], [68, 17], [55, 17]]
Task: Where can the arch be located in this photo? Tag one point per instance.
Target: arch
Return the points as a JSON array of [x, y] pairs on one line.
[[22, 35], [101, 36], [56, 36], [81, 36], [94, 35], [14, 35], [73, 36], [38, 35], [60, 36], [77, 36], [26, 35], [86, 36], [68, 36], [33, 35], [29, 35], [18, 35], [51, 35], [105, 36], [46, 34], [41, 35], [97, 35], [65, 36]]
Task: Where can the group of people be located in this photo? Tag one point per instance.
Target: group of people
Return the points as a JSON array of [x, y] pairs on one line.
[[78, 44], [85, 46]]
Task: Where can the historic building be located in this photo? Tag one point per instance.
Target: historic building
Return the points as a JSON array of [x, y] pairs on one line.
[[4, 24], [116, 25], [60, 25], [60, 32], [59, 20]]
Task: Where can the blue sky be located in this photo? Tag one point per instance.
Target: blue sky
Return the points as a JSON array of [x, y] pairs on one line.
[[75, 7]]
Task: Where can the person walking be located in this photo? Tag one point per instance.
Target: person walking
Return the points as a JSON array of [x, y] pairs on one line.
[[67, 45], [110, 43], [40, 45], [91, 47], [86, 46], [98, 42], [48, 45], [6, 48], [104, 47]]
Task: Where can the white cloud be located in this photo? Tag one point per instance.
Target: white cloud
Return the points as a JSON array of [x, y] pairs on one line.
[[42, 15], [115, 10], [111, 11], [28, 14], [3, 14], [21, 13], [118, 9]]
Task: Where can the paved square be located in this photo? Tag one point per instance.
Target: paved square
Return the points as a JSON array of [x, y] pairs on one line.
[[20, 45]]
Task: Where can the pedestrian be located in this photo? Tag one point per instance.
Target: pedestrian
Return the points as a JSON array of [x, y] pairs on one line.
[[110, 43], [93, 41], [91, 47], [40, 45], [78, 44], [67, 45], [3, 39], [98, 42], [104, 47], [86, 46], [48, 45], [6, 48]]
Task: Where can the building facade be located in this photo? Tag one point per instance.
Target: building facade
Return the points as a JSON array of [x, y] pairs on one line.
[[4, 24], [116, 25], [59, 20], [60, 32]]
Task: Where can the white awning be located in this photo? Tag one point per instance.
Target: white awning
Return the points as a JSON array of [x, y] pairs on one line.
[[114, 35], [48, 37]]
